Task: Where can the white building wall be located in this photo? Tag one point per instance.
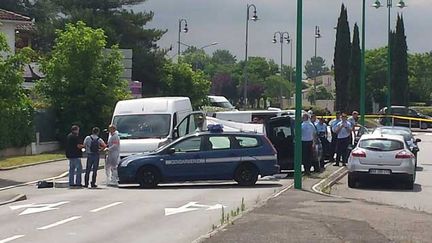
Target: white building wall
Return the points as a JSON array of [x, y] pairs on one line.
[[9, 29]]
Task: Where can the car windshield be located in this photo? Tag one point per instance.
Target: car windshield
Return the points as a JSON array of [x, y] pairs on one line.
[[143, 126], [381, 144], [224, 104], [406, 134]]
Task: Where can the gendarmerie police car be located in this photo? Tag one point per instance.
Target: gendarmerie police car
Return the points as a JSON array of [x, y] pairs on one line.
[[210, 155]]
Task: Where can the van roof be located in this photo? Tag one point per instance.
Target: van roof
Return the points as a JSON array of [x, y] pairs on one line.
[[152, 105]]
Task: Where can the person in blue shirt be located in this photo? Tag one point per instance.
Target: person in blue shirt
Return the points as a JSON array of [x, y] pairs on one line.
[[321, 128], [343, 130], [308, 135], [333, 142]]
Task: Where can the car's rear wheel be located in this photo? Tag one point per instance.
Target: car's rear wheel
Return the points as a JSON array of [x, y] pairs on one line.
[[352, 181], [409, 184], [148, 177], [423, 125], [246, 175]]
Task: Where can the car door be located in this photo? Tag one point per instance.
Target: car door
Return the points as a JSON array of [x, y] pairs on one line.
[[222, 156], [194, 122], [280, 132], [184, 160]]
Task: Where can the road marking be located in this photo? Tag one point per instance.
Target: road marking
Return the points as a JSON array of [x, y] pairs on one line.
[[37, 208], [59, 223], [105, 207], [191, 206], [11, 238]]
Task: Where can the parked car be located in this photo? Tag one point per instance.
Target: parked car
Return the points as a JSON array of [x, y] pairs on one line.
[[405, 133], [406, 112], [381, 156], [209, 155]]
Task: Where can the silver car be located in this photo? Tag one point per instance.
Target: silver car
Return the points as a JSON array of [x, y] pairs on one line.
[[381, 156]]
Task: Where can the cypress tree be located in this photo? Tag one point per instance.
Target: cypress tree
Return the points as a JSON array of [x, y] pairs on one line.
[[341, 60], [399, 65], [354, 79]]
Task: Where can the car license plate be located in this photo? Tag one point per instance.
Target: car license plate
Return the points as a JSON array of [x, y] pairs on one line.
[[379, 172]]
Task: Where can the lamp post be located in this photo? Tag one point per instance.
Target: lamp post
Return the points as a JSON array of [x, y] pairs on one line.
[[377, 5], [254, 18], [185, 30], [363, 68], [282, 36], [317, 36], [298, 99]]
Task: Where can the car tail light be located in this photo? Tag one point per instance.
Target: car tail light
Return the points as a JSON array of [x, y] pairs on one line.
[[404, 155], [358, 153]]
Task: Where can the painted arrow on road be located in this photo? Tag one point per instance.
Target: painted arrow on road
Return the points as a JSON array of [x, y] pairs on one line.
[[192, 206], [37, 208]]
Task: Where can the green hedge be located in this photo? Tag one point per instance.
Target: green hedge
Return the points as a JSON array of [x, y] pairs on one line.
[[17, 126]]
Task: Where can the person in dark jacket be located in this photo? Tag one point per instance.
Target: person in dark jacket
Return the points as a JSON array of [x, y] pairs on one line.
[[74, 154]]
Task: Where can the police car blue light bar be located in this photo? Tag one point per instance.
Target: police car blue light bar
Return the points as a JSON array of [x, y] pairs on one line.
[[215, 128]]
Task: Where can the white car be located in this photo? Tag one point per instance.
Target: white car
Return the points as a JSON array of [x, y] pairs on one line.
[[381, 156]]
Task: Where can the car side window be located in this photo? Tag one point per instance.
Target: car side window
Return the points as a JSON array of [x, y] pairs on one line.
[[189, 145], [247, 142], [219, 142], [412, 112]]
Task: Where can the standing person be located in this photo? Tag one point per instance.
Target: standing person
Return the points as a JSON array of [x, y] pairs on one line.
[[113, 156], [308, 133], [332, 124], [321, 128], [354, 118], [93, 145], [74, 154], [343, 130]]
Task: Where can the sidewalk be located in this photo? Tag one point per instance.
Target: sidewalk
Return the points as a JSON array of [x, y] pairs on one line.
[[303, 216]]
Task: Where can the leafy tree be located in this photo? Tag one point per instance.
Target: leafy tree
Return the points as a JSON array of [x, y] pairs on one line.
[[399, 62], [82, 80], [16, 112], [420, 77], [341, 60], [289, 73], [224, 84], [315, 67], [376, 76], [276, 85], [197, 58], [223, 57], [354, 79], [180, 80]]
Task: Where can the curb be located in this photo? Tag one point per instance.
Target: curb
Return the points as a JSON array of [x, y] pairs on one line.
[[329, 181], [31, 164], [19, 197]]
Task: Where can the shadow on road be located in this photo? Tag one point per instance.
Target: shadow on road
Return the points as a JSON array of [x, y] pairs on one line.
[[209, 185], [380, 185], [6, 183]]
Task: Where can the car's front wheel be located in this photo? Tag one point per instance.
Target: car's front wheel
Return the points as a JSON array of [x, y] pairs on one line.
[[352, 181], [148, 177], [246, 175]]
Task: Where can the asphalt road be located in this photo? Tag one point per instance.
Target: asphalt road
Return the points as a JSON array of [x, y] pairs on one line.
[[128, 214], [391, 193]]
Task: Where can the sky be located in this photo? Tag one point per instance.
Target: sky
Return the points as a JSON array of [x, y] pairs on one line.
[[224, 21]]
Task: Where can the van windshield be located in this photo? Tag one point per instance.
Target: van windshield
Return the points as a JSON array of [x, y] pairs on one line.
[[143, 126], [223, 104]]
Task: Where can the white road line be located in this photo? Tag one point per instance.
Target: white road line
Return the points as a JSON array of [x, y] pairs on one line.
[[59, 223], [11, 238], [105, 207]]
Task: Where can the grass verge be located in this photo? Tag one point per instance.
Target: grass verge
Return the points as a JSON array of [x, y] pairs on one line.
[[25, 160]]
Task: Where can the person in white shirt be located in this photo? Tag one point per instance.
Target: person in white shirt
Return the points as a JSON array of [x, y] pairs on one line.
[[113, 156], [308, 135], [343, 130]]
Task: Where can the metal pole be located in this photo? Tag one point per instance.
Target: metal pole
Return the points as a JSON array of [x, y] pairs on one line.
[[389, 5], [298, 98], [281, 62], [363, 69], [179, 31], [291, 61], [246, 57]]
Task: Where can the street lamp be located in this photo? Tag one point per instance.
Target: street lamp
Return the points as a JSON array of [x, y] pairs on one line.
[[377, 5], [363, 68], [317, 36], [185, 30], [282, 36], [254, 18]]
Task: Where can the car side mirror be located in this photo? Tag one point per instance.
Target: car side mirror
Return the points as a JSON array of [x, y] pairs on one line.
[[171, 151], [418, 140]]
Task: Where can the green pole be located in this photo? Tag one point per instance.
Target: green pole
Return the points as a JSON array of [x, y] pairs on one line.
[[298, 100], [363, 69], [389, 3]]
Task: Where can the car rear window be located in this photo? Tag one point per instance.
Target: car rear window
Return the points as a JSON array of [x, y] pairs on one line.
[[247, 142], [381, 144], [405, 134]]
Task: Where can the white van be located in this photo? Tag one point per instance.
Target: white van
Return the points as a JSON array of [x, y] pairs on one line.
[[148, 123], [220, 101]]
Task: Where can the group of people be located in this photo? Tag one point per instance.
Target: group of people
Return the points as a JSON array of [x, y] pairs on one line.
[[337, 150], [93, 145]]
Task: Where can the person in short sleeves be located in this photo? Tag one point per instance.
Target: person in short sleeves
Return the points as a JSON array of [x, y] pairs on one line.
[[333, 142], [343, 130], [321, 128], [308, 133]]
